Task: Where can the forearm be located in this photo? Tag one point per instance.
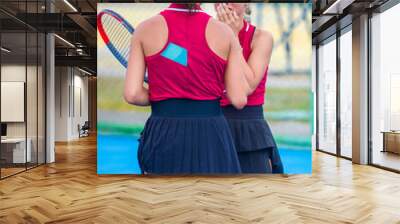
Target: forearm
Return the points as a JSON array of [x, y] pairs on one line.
[[248, 73], [256, 65]]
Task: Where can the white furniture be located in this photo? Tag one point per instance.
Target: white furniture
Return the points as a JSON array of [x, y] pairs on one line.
[[18, 144]]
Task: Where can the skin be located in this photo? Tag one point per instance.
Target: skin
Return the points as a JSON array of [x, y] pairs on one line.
[[232, 14], [262, 44], [151, 36]]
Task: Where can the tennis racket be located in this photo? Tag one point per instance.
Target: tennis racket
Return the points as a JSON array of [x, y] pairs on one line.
[[116, 33]]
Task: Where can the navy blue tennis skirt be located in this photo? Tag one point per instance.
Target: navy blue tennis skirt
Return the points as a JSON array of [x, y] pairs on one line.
[[254, 142], [187, 137]]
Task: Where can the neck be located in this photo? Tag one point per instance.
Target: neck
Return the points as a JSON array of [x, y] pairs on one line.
[[242, 22], [242, 26]]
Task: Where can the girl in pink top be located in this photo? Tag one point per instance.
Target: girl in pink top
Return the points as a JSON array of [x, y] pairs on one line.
[[255, 144], [191, 58]]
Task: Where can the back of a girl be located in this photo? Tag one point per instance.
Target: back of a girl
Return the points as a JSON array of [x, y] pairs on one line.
[[189, 61]]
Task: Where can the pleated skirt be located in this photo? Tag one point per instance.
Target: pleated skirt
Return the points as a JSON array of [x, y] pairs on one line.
[[187, 137], [254, 142]]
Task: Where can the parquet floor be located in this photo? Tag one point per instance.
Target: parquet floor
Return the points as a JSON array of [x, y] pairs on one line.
[[10, 171], [69, 191]]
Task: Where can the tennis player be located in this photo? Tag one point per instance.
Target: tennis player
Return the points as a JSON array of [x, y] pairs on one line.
[[255, 144], [190, 57]]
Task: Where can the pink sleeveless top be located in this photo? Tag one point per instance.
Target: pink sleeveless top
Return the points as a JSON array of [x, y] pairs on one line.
[[186, 67], [245, 39]]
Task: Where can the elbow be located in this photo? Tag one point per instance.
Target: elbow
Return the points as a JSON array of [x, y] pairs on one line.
[[131, 97], [239, 102], [238, 98]]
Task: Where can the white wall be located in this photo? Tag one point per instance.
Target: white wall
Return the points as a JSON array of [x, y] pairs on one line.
[[13, 100], [80, 89], [70, 83], [12, 73], [62, 81], [33, 126]]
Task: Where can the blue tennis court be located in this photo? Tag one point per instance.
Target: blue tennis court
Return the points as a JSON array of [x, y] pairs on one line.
[[117, 154]]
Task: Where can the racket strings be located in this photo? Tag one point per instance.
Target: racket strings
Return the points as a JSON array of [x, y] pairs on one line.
[[118, 35], [120, 38]]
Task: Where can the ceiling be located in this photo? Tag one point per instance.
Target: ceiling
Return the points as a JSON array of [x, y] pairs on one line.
[[74, 22], [330, 15]]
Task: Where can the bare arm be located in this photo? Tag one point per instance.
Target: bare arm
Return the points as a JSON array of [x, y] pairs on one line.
[[247, 71], [134, 91], [259, 58], [254, 69], [235, 82], [230, 18]]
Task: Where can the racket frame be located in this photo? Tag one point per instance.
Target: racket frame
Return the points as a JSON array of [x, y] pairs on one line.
[[106, 39]]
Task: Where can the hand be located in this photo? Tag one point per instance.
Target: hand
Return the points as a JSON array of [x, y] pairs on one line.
[[228, 16]]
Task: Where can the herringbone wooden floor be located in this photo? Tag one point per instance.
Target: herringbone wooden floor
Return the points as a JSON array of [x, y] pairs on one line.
[[69, 191]]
